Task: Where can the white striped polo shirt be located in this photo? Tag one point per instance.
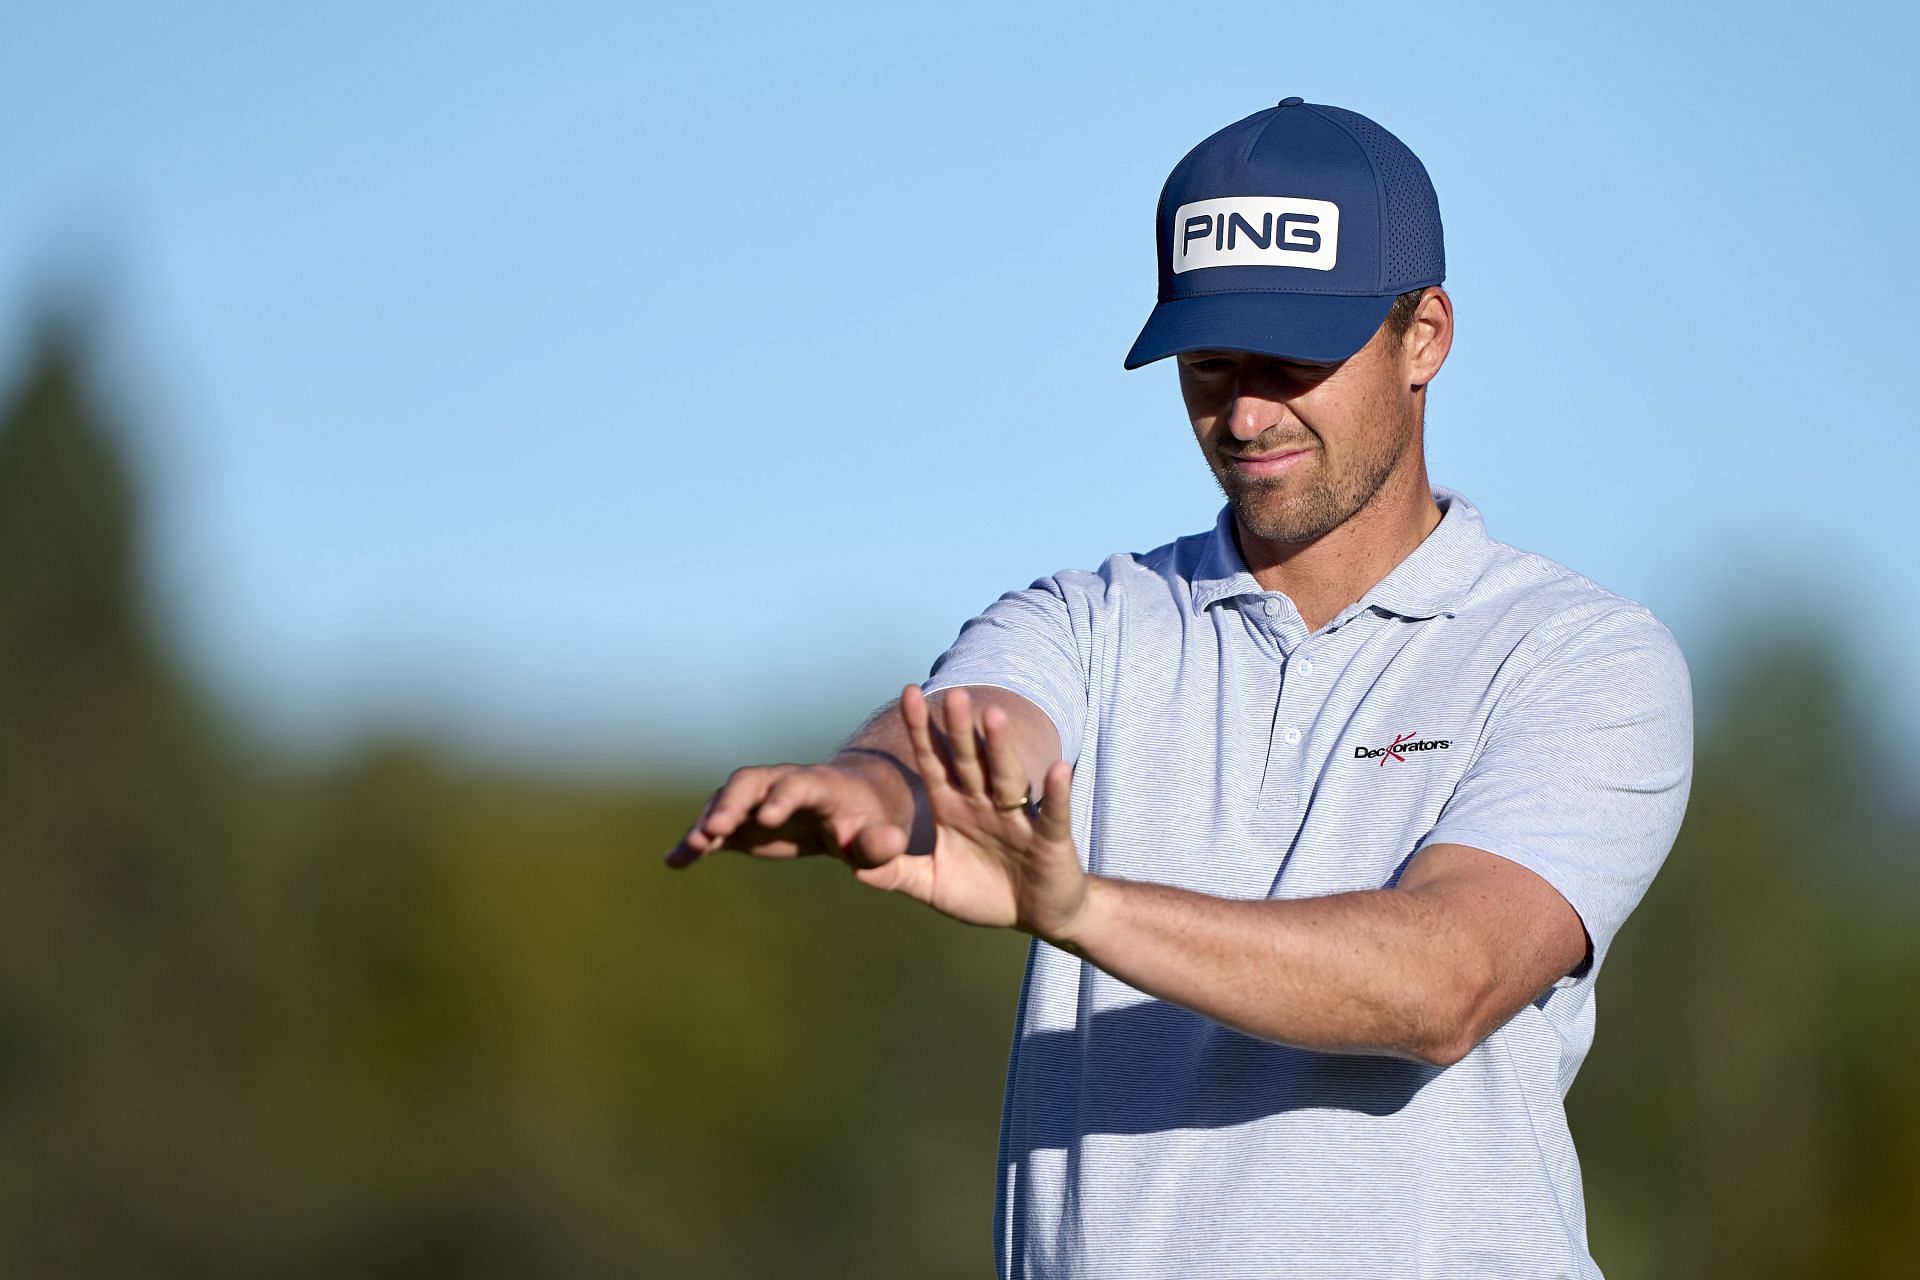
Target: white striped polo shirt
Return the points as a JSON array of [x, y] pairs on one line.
[[1477, 695]]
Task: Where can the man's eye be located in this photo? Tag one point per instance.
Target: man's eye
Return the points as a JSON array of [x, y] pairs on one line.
[[1209, 366]]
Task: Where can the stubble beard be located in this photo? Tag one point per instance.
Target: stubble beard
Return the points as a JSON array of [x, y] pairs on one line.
[[1299, 508]]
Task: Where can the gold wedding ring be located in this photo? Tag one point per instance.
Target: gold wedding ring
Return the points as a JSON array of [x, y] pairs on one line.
[[1021, 803]]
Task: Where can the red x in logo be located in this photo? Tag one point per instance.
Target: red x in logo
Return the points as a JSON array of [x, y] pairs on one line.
[[1395, 755]]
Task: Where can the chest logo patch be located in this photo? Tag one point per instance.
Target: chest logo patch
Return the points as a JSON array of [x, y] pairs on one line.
[[1396, 749]]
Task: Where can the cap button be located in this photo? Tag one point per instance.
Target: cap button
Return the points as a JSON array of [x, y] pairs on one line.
[[1291, 102]]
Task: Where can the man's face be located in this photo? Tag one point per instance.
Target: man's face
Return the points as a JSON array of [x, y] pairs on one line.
[[1299, 449]]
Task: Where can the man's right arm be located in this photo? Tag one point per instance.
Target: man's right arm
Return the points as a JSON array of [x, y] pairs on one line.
[[845, 806]]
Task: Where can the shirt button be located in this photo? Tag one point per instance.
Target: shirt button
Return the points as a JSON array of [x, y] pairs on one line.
[[1306, 666], [1293, 737], [1271, 607]]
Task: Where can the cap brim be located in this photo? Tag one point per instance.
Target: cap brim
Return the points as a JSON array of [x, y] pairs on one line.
[[1318, 328]]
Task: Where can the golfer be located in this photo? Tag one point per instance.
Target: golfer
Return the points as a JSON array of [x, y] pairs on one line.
[[1322, 820]]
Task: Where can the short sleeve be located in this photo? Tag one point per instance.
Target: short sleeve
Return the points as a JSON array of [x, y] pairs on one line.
[[1025, 642], [1583, 771]]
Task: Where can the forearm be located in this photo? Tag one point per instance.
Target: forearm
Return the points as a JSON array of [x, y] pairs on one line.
[[1369, 972]]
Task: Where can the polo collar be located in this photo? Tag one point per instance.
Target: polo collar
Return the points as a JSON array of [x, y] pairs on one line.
[[1221, 573], [1433, 579]]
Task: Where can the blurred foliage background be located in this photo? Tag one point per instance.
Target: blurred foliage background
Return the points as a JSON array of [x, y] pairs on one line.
[[393, 1014]]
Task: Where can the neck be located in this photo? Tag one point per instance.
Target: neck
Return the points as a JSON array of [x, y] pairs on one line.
[[1325, 575]]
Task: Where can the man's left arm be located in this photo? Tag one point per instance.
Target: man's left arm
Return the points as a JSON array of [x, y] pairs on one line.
[[1546, 845], [1422, 970]]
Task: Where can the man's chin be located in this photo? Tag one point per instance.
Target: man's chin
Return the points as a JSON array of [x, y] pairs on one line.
[[1272, 519]]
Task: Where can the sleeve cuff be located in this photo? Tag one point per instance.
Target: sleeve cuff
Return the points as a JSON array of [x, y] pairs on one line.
[[1064, 726]]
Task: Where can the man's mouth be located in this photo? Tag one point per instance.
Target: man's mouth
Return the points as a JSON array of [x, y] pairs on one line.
[[1266, 464]]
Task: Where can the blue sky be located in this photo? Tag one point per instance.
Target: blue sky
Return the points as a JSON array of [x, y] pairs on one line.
[[600, 384]]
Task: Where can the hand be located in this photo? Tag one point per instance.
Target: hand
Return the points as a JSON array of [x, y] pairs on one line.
[[996, 861], [789, 811]]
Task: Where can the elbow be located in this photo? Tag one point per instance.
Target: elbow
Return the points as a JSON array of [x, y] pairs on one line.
[[1443, 1052], [1448, 1022]]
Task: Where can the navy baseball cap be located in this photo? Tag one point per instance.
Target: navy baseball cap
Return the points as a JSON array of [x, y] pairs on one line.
[[1289, 233]]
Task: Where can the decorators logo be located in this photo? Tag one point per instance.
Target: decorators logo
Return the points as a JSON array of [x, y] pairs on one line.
[[1397, 749]]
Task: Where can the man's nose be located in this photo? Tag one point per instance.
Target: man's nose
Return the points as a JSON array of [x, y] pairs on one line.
[[1253, 412]]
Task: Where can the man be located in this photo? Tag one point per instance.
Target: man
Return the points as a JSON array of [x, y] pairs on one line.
[[1341, 803]]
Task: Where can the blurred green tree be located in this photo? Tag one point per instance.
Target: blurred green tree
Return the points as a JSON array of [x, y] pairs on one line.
[[389, 1017], [118, 981], [1748, 1108]]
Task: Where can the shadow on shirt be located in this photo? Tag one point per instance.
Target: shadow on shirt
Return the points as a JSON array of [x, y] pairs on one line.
[[1154, 1066]]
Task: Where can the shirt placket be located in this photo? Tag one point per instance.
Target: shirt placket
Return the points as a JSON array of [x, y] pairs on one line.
[[1280, 780], [1308, 663]]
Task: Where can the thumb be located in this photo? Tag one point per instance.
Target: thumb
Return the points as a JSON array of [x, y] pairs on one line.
[[875, 845], [1054, 821], [879, 861]]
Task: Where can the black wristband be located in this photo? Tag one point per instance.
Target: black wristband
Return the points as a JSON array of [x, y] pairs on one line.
[[921, 835]]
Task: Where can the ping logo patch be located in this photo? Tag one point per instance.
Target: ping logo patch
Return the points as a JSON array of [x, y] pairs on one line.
[[1256, 231], [1397, 749]]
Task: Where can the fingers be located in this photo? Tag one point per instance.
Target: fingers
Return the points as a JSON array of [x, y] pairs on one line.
[[690, 846], [967, 772], [800, 789], [737, 798], [919, 721], [736, 815], [1053, 818], [981, 761], [1007, 783], [700, 839]]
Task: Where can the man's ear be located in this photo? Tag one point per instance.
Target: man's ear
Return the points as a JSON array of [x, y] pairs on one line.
[[1429, 337]]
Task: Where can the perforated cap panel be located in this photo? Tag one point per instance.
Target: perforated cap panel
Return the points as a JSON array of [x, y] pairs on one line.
[[1415, 250]]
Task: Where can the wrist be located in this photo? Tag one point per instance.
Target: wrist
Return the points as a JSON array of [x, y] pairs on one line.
[[1079, 932], [902, 795]]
